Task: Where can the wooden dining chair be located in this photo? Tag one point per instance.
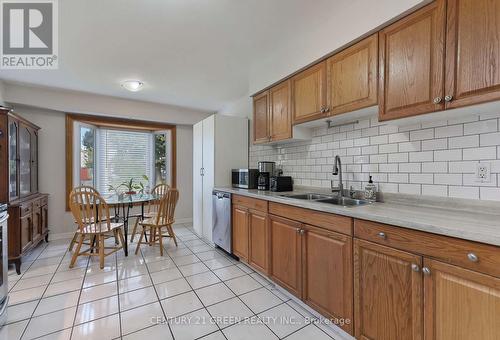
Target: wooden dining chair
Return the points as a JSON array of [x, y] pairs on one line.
[[91, 213], [163, 219], [159, 191]]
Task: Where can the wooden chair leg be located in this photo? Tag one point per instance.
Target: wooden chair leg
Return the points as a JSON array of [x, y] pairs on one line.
[[73, 241], [171, 232], [115, 233], [152, 236], [134, 230], [101, 250], [160, 240], [77, 251], [122, 240], [140, 240]]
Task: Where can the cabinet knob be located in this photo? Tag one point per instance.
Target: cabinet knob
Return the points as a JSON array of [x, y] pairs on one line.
[[382, 235], [437, 100], [298, 230], [426, 271], [415, 267], [302, 231], [448, 98], [472, 257]]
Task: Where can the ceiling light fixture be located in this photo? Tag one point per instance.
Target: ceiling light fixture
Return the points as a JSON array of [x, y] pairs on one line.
[[132, 85]]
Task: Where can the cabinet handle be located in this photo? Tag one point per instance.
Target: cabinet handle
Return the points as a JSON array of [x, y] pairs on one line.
[[302, 231], [437, 100], [415, 267], [472, 257], [298, 230], [426, 271], [382, 235], [448, 98]]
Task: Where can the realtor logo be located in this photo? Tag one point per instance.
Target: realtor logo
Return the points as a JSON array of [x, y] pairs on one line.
[[29, 34]]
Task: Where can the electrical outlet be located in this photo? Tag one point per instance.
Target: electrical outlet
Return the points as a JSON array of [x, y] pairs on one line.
[[483, 171]]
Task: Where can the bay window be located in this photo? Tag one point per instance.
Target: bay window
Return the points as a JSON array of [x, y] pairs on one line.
[[107, 155]]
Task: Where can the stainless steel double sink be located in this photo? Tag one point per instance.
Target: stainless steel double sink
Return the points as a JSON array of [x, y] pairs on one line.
[[330, 199]]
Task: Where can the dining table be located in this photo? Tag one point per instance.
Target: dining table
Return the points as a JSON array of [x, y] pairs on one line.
[[124, 203]]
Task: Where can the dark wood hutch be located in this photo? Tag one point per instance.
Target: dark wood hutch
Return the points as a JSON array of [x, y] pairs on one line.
[[28, 209]]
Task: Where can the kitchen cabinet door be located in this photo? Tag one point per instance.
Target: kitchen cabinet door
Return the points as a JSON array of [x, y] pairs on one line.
[[460, 304], [286, 257], [258, 240], [280, 115], [26, 223], [261, 118], [352, 77], [240, 232], [472, 52], [309, 94], [388, 299], [327, 273], [411, 64]]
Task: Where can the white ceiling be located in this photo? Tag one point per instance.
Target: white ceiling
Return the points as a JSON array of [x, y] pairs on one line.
[[192, 53]]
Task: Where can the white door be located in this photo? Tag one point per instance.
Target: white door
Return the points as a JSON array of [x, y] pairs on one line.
[[197, 178], [208, 174]]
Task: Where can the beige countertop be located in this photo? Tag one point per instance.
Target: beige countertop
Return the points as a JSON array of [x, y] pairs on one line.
[[466, 219]]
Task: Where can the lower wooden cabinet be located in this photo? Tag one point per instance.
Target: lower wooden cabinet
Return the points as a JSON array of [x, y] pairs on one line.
[[460, 304], [258, 234], [387, 293], [28, 226], [286, 253], [240, 232], [327, 274]]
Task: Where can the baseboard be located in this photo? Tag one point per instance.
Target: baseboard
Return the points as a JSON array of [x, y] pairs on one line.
[[184, 220]]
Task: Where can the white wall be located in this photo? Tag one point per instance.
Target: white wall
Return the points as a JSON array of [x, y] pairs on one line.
[[52, 164], [81, 102], [2, 91], [342, 23]]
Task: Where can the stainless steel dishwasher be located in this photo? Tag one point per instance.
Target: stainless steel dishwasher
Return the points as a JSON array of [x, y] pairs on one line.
[[221, 220]]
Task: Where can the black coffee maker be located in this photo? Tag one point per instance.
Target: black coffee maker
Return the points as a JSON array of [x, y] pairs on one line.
[[266, 171]]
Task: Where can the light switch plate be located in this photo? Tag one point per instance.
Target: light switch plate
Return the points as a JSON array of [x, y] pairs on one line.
[[483, 172]]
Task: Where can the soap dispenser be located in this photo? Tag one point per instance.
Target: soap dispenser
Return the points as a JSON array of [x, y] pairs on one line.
[[371, 191]]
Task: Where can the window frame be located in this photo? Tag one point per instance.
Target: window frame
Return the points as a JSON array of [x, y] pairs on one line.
[[117, 123]]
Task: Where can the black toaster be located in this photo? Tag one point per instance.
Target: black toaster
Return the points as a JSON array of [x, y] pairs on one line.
[[281, 183]]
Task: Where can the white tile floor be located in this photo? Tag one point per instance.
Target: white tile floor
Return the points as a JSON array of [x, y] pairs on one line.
[[192, 292]]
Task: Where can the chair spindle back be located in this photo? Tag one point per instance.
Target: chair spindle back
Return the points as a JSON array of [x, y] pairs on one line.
[[159, 191], [89, 207], [167, 206]]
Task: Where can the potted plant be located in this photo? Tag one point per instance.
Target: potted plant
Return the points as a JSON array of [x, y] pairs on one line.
[[131, 188]]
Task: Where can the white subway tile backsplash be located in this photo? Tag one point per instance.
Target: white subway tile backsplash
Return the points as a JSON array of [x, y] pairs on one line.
[[471, 141], [437, 158], [463, 192], [490, 139], [435, 190], [483, 126], [480, 153], [423, 156], [449, 131], [449, 179], [492, 194], [422, 134], [435, 144]]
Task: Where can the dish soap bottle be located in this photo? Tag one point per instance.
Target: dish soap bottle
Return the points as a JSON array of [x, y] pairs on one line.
[[371, 191]]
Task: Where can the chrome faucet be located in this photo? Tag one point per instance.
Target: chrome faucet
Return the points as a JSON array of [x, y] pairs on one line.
[[337, 170]]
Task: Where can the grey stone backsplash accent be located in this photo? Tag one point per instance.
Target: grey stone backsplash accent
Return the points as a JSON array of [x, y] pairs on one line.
[[434, 158]]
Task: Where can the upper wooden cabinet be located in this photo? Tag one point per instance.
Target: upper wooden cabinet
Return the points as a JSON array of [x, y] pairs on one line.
[[352, 77], [280, 118], [472, 52], [261, 118], [388, 297], [309, 94], [411, 62], [272, 119], [460, 304]]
